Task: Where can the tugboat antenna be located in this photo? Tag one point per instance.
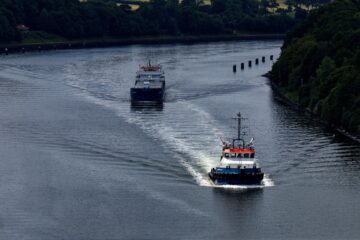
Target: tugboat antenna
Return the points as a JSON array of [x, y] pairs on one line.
[[239, 118], [239, 125]]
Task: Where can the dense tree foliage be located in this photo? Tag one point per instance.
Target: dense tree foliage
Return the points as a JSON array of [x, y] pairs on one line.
[[8, 22], [94, 18], [319, 67], [306, 3]]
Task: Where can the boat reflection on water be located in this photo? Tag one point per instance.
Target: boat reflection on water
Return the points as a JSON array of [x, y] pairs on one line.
[[147, 106]]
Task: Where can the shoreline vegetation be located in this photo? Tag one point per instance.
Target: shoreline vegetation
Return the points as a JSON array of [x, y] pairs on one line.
[[319, 67], [283, 98], [23, 21], [113, 42]]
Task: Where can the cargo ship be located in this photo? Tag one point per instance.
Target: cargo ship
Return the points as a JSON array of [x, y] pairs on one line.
[[149, 84]]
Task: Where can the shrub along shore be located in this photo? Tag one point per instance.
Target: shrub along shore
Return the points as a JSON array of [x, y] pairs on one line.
[[281, 96]]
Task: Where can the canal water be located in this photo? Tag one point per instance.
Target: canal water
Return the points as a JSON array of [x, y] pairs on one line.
[[78, 162]]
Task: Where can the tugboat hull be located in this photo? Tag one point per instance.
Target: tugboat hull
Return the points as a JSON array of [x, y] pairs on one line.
[[236, 178], [147, 95]]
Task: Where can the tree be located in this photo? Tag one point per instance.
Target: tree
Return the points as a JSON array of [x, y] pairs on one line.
[[189, 3], [290, 5], [74, 19], [319, 64], [273, 4], [263, 6]]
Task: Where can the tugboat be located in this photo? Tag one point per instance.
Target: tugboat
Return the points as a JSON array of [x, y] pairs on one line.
[[149, 84], [238, 165]]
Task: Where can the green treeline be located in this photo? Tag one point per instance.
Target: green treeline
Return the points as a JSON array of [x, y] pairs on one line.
[[93, 19], [319, 67]]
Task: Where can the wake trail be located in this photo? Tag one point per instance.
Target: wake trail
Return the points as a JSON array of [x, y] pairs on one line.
[[194, 142]]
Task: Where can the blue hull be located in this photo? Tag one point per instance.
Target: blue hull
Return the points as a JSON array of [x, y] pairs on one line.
[[236, 177], [147, 94]]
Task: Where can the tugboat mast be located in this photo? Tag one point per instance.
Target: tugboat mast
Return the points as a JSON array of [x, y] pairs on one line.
[[239, 118], [239, 125]]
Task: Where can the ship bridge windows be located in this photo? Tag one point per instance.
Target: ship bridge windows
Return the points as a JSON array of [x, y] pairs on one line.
[[239, 155]]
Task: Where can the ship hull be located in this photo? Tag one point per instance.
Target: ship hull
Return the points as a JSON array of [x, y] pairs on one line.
[[147, 95], [236, 178]]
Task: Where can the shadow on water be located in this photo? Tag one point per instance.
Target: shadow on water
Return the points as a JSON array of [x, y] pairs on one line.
[[146, 107]]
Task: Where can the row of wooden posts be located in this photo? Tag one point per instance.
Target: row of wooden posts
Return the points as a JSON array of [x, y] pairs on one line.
[[242, 65]]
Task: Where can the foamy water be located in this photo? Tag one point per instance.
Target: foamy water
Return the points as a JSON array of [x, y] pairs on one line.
[[189, 150]]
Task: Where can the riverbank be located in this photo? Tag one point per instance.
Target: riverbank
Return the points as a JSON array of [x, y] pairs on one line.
[[281, 96], [100, 43]]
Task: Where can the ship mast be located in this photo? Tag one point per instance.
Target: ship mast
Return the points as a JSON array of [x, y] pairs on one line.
[[239, 118], [239, 125]]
